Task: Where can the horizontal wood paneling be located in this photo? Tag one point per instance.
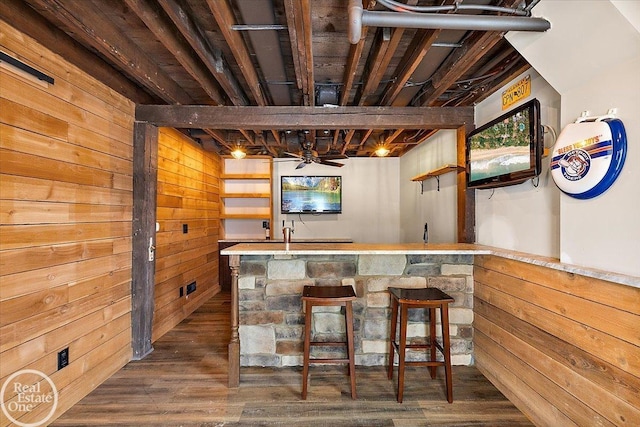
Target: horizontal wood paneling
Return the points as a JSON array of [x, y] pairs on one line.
[[65, 218], [188, 190], [565, 348], [25, 236]]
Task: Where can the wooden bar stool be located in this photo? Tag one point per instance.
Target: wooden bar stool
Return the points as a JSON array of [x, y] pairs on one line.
[[328, 296], [431, 299]]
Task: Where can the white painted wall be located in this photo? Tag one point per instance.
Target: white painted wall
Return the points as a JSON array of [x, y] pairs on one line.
[[437, 208], [591, 56], [370, 202], [522, 217]]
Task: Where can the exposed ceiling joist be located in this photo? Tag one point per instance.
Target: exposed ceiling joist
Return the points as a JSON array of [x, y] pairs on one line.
[[155, 20], [270, 54], [209, 55], [221, 11], [299, 20], [99, 33]]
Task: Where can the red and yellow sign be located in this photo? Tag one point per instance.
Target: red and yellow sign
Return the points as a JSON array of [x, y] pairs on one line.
[[516, 92]]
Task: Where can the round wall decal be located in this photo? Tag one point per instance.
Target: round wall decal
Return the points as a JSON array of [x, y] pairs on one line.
[[588, 157]]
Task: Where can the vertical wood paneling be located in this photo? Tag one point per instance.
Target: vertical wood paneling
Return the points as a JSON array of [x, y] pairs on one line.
[[188, 189], [564, 348], [65, 224]]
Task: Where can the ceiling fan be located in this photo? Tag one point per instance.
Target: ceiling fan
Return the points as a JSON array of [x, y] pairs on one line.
[[309, 155]]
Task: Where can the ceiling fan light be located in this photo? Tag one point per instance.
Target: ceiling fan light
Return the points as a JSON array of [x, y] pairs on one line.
[[238, 153]]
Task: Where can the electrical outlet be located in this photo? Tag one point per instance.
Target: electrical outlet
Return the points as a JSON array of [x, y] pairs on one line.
[[185, 228], [265, 224], [63, 358], [191, 287], [181, 291]]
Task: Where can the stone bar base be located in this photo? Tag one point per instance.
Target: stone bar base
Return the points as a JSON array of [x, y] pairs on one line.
[[271, 315]]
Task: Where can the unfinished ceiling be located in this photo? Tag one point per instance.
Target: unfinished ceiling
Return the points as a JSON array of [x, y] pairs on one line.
[[271, 54]]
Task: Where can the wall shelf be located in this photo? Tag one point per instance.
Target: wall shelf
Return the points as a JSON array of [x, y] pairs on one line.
[[265, 216], [435, 173], [245, 197], [246, 175]]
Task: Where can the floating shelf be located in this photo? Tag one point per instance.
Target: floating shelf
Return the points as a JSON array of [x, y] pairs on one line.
[[246, 176], [245, 195], [246, 216], [437, 172]]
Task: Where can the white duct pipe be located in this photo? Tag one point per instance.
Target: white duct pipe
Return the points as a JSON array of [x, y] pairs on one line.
[[355, 21], [359, 17]]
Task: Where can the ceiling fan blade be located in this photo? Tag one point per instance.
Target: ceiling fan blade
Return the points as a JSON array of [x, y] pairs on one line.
[[292, 155], [328, 163], [334, 157], [301, 165]]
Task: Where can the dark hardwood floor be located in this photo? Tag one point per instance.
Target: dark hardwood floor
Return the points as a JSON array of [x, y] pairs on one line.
[[183, 383]]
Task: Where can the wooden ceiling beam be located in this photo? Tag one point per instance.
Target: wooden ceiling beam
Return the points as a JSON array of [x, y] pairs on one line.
[[453, 68], [221, 11], [165, 31], [355, 54], [426, 136], [223, 14], [514, 69], [391, 138], [210, 56], [386, 46], [28, 21], [365, 137], [97, 31], [419, 47], [347, 140], [305, 118], [218, 136], [379, 58], [299, 22]]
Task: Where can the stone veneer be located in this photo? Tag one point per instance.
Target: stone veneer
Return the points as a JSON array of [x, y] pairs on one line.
[[272, 317]]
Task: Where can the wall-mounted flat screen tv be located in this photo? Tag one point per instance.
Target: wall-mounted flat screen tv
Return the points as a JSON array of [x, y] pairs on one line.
[[507, 150], [311, 194]]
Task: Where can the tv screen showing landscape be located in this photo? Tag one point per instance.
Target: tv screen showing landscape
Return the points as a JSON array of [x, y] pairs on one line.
[[311, 194], [504, 150]]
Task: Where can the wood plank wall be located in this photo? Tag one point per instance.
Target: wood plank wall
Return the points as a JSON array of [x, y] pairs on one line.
[[564, 348], [65, 224], [188, 193]]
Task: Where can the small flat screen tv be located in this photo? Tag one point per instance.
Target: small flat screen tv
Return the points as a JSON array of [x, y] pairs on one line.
[[311, 194], [507, 150]]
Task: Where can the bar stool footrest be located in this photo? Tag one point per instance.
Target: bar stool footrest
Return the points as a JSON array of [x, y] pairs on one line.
[[336, 361], [327, 344]]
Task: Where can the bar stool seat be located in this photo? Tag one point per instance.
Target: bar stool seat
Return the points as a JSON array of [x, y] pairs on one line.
[[328, 296], [431, 299]]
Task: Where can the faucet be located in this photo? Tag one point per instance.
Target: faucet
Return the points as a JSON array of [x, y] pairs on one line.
[[287, 232]]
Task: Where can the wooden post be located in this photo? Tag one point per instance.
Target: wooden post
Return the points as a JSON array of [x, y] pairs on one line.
[[234, 344], [145, 177], [466, 197]]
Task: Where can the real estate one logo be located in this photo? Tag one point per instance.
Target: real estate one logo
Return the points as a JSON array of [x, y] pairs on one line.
[[28, 392]]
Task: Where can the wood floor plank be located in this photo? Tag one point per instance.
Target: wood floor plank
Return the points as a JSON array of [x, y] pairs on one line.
[[183, 382]]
